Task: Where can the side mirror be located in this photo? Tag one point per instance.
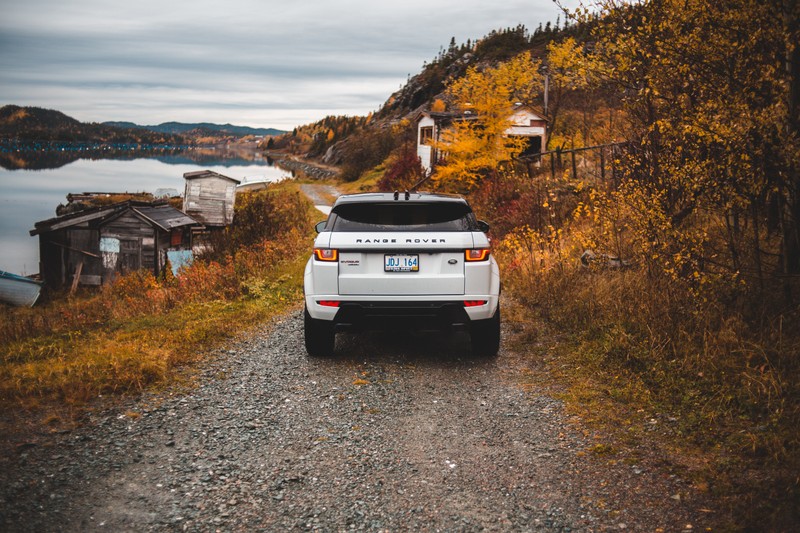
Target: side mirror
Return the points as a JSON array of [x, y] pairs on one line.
[[320, 226], [483, 226]]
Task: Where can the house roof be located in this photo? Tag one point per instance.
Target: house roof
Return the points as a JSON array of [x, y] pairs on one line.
[[164, 216], [447, 116], [199, 174], [538, 112]]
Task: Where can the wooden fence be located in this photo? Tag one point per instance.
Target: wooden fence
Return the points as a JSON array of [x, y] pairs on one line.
[[594, 163]]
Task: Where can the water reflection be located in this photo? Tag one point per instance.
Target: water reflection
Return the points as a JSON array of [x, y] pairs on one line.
[[29, 155], [28, 195]]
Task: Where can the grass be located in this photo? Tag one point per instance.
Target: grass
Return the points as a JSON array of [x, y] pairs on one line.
[[691, 369], [661, 378], [127, 356], [368, 182], [140, 332]]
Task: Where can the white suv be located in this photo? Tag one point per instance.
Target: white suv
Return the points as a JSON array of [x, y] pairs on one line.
[[402, 260]]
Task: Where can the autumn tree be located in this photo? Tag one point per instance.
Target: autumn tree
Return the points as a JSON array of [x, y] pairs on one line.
[[570, 71], [476, 145], [710, 91]]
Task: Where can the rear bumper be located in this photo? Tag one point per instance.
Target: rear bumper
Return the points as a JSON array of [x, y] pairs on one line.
[[375, 314], [401, 315]]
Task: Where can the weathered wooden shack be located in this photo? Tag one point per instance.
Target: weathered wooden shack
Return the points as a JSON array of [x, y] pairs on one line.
[[209, 198], [93, 246]]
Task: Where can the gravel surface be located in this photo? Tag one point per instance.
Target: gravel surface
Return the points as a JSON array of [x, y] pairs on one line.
[[398, 431], [320, 195]]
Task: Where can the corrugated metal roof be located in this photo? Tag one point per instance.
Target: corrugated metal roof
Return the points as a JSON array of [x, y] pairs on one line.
[[167, 217]]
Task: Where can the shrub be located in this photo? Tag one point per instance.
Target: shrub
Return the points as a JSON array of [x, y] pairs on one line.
[[135, 330], [365, 150], [403, 171]]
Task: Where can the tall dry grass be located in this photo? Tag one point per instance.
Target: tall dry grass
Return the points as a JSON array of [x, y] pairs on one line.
[[716, 353], [138, 330]]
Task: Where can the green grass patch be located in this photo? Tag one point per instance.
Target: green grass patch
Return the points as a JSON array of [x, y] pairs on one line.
[[368, 182]]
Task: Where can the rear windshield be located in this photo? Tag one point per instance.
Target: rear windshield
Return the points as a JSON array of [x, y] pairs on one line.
[[403, 217]]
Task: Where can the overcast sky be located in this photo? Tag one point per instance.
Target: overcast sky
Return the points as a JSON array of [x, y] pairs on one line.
[[261, 63]]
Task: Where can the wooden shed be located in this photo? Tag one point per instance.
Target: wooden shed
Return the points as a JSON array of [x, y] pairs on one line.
[[95, 245], [209, 197]]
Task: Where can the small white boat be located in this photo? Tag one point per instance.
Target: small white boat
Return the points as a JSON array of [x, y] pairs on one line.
[[254, 183], [18, 290]]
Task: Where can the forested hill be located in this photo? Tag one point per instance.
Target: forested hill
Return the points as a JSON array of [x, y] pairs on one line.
[[181, 128], [38, 124], [452, 62], [358, 143]]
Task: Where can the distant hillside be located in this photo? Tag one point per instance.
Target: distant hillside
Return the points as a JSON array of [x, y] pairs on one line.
[[452, 63], [38, 124], [362, 142], [181, 128]]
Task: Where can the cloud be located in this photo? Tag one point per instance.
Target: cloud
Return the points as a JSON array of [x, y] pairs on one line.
[[260, 63]]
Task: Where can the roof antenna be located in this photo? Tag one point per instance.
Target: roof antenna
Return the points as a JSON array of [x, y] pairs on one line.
[[408, 194], [396, 195]]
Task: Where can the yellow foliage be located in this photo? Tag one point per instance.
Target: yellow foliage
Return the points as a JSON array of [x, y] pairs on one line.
[[477, 145], [438, 106], [568, 66]]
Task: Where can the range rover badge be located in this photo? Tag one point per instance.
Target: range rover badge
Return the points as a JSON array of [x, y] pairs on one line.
[[453, 261]]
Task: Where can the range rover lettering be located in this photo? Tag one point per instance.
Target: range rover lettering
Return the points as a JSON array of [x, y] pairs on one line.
[[401, 261]]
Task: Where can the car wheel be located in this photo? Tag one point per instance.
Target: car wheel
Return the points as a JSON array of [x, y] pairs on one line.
[[319, 335], [485, 336]]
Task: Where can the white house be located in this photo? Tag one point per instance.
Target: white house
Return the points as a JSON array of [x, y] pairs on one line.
[[524, 123]]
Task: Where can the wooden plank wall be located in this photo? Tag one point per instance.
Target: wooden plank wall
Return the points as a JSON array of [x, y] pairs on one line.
[[210, 200], [138, 236]]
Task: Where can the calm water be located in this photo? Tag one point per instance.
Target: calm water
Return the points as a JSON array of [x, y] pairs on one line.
[[28, 196]]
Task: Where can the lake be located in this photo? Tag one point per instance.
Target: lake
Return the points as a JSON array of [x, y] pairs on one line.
[[28, 196]]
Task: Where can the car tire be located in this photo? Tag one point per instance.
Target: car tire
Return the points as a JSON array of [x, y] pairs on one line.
[[319, 336], [485, 336]]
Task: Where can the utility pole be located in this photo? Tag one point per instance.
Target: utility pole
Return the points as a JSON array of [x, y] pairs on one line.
[[546, 88]]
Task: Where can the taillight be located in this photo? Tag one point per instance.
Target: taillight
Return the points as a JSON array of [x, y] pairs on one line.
[[474, 303], [477, 254], [328, 303], [325, 254]]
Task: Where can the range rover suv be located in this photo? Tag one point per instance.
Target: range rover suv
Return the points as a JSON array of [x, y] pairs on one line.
[[401, 261]]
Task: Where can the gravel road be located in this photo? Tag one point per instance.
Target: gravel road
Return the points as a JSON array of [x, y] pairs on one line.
[[397, 432], [320, 195]]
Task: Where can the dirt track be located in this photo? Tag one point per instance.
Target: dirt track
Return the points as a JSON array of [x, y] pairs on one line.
[[397, 432]]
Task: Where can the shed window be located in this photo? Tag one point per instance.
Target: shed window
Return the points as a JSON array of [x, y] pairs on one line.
[[176, 239]]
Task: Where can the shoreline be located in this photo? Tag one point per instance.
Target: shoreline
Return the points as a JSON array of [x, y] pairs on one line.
[[311, 169]]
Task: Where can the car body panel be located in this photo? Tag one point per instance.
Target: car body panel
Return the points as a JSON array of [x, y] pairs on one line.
[[364, 292]]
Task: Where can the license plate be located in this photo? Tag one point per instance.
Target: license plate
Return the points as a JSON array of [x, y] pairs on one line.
[[401, 263]]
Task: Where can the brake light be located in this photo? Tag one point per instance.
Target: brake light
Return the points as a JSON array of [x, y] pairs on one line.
[[328, 303], [325, 254], [477, 254], [474, 303]]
